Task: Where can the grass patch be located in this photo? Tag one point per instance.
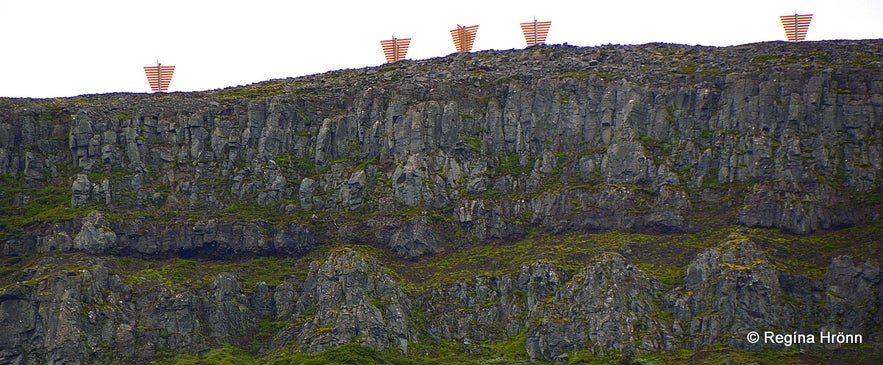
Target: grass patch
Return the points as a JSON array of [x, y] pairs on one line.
[[570, 251], [663, 256], [474, 143], [762, 59], [223, 355], [444, 353], [258, 90], [298, 165], [199, 273], [810, 255], [658, 150], [866, 60], [345, 354], [511, 165], [512, 349], [710, 180], [668, 274], [32, 270], [432, 353], [722, 356], [21, 205]]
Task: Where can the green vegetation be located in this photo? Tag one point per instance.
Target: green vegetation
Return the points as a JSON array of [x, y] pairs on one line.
[[504, 353], [721, 355], [298, 165], [811, 59], [569, 251], [21, 205], [199, 273], [432, 352], [346, 354], [31, 270], [255, 213], [341, 355], [224, 355], [658, 150], [809, 255], [512, 349], [508, 79], [510, 165], [473, 142], [576, 75], [866, 60], [122, 116], [762, 59], [663, 256], [259, 90], [689, 68], [710, 180]]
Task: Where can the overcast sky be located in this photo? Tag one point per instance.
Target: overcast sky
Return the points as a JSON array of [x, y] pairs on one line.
[[56, 48]]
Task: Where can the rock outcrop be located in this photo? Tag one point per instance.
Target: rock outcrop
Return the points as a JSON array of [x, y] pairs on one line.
[[609, 305], [416, 160], [90, 310], [347, 299], [561, 138]]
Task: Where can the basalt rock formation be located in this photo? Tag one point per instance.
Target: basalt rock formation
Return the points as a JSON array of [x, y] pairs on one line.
[[548, 203]]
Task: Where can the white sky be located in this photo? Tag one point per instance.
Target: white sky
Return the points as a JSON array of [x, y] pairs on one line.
[[51, 48]]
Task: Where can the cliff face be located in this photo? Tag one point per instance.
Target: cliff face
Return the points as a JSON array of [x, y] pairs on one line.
[[426, 160]]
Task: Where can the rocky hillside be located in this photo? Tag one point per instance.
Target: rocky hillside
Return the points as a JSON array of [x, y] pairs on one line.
[[649, 204]]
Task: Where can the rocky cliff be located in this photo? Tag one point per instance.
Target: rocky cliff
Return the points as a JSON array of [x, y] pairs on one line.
[[616, 203]]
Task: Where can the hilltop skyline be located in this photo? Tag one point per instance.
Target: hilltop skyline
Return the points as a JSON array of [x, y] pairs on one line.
[[57, 48]]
